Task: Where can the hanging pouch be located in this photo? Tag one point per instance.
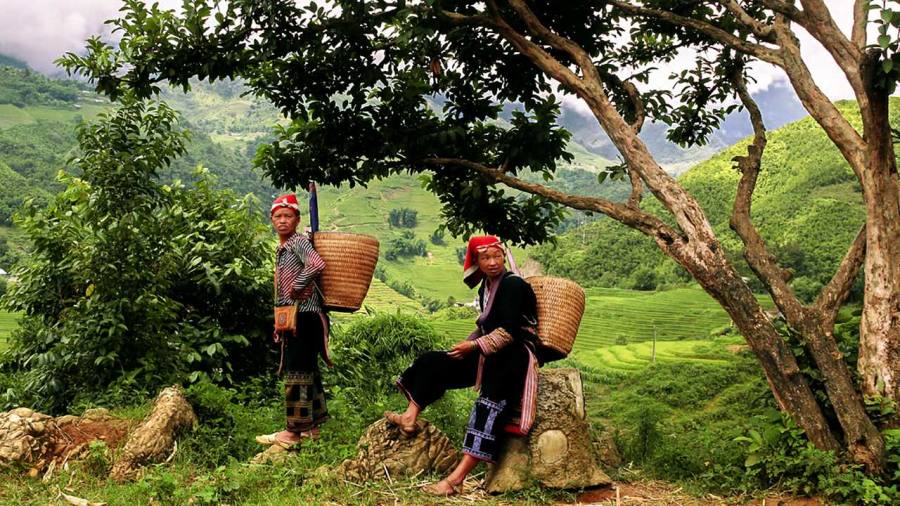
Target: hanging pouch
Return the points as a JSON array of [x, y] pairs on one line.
[[286, 318]]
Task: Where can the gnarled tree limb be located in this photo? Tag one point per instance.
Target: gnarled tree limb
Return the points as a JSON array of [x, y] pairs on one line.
[[836, 291], [758, 50], [761, 30], [755, 252], [643, 221], [860, 22]]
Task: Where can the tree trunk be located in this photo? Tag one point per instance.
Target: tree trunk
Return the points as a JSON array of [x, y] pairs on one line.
[[788, 385], [862, 438], [879, 352]]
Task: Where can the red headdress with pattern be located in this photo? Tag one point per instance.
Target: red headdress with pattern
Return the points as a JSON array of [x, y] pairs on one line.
[[289, 200], [472, 275]]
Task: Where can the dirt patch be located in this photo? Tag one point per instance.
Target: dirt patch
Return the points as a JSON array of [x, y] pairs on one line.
[[74, 437], [658, 493]]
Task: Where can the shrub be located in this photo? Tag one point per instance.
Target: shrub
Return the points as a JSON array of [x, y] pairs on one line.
[[369, 355], [152, 284], [405, 246], [437, 237], [403, 217]]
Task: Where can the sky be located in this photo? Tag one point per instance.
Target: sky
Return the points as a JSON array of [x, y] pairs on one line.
[[39, 31]]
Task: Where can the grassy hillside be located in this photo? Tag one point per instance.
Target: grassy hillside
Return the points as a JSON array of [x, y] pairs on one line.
[[807, 206], [7, 324]]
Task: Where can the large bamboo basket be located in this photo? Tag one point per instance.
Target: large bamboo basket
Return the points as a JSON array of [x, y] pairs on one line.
[[349, 265], [560, 306]]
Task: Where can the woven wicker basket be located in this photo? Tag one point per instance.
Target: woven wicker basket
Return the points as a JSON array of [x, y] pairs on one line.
[[349, 264], [560, 306]]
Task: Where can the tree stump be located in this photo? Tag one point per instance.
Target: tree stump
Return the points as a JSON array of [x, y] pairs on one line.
[[154, 438], [384, 453], [557, 453]]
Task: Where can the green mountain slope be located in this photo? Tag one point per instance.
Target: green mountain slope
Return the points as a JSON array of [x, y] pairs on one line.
[[807, 206]]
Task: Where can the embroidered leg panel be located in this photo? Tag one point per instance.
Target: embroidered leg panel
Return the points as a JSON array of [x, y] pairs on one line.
[[485, 422], [304, 401]]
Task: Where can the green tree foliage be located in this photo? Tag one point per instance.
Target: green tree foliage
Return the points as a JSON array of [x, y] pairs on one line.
[[23, 87], [405, 246], [134, 282], [403, 217]]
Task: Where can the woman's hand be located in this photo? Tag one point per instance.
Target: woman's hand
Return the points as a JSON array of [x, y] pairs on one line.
[[462, 348]]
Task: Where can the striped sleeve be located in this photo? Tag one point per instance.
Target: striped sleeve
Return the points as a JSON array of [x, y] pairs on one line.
[[312, 264], [494, 341]]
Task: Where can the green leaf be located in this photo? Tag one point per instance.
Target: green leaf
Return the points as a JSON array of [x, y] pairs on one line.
[[887, 66], [752, 460], [887, 15], [884, 41]]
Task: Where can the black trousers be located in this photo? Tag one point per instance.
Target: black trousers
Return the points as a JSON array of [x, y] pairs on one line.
[[304, 395], [502, 382]]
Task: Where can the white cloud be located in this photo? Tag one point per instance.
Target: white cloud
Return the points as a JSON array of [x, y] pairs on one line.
[[40, 31]]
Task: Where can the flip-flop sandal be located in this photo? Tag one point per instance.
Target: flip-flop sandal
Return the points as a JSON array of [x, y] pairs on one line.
[[272, 440], [432, 489], [406, 430]]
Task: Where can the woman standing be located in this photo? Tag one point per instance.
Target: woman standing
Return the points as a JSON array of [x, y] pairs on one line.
[[498, 358], [297, 265]]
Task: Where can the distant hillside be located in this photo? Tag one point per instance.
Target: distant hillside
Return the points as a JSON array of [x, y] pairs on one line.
[[807, 205], [778, 102], [22, 87], [9, 61]]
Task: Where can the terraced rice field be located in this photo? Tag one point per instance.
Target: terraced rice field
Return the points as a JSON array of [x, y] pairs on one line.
[[384, 298], [616, 316], [634, 357], [8, 322], [454, 329], [626, 317]]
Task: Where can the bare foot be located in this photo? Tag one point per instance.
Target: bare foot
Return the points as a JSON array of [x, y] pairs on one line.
[[406, 426], [441, 488]]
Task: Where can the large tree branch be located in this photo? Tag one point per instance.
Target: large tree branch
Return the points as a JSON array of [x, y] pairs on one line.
[[582, 59], [758, 256], [761, 30], [818, 21], [556, 41], [637, 189], [860, 22], [650, 225], [839, 130], [838, 289], [634, 96], [758, 50]]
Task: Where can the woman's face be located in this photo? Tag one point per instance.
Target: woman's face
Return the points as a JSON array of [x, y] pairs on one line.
[[285, 220], [490, 261]]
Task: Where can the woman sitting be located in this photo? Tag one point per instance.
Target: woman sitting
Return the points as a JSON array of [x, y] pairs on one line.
[[498, 359]]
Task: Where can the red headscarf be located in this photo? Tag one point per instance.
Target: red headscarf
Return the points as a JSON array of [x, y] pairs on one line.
[[289, 200], [472, 275]]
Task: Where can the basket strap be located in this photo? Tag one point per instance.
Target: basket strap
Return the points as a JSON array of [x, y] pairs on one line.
[[512, 262]]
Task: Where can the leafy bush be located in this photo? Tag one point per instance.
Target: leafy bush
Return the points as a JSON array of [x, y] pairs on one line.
[[133, 281], [405, 246], [403, 217], [437, 237], [369, 355], [229, 418]]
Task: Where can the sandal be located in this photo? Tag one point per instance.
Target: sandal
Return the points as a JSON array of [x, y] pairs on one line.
[[437, 490], [272, 439], [397, 419]]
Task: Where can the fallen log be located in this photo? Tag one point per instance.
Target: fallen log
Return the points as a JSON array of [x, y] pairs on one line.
[[154, 439]]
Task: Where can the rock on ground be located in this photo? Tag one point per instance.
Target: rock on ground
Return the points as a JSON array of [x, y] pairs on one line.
[[384, 452], [154, 439], [35, 440], [557, 453]]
